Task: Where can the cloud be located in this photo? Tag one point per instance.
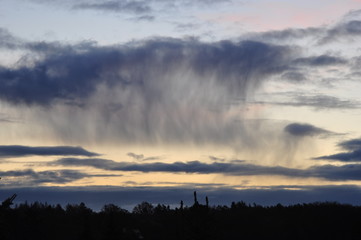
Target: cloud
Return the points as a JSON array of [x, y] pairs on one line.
[[216, 159], [7, 40], [21, 151], [287, 34], [30, 177], [318, 102], [347, 29], [160, 90], [322, 60], [344, 30], [337, 173], [75, 73], [353, 144], [186, 167], [303, 130], [353, 155], [294, 76], [328, 172], [136, 7], [137, 157], [325, 102], [141, 157]]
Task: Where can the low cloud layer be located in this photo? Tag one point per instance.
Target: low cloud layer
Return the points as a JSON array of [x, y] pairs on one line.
[[328, 172], [30, 177], [9, 151]]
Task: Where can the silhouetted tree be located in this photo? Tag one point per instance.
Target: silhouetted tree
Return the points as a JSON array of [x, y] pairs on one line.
[[195, 199], [144, 208]]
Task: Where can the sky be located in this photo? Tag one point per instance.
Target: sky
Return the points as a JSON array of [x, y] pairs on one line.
[[126, 101]]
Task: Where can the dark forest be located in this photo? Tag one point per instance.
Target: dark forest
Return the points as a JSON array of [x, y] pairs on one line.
[[320, 220]]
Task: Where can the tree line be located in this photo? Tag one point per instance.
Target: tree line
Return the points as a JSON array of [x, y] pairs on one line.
[[320, 220]]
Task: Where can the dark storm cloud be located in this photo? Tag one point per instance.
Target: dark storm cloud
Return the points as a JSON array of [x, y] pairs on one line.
[[75, 73], [328, 172], [137, 7], [21, 151], [302, 130], [64, 74], [153, 91], [31, 177], [128, 197]]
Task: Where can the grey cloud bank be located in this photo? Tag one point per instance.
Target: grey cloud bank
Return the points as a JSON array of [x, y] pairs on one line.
[[328, 172], [74, 74], [30, 177], [9, 151]]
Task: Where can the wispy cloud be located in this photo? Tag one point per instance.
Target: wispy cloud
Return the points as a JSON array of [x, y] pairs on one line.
[[347, 30], [137, 157], [141, 157], [7, 40], [317, 102], [137, 7], [322, 60]]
